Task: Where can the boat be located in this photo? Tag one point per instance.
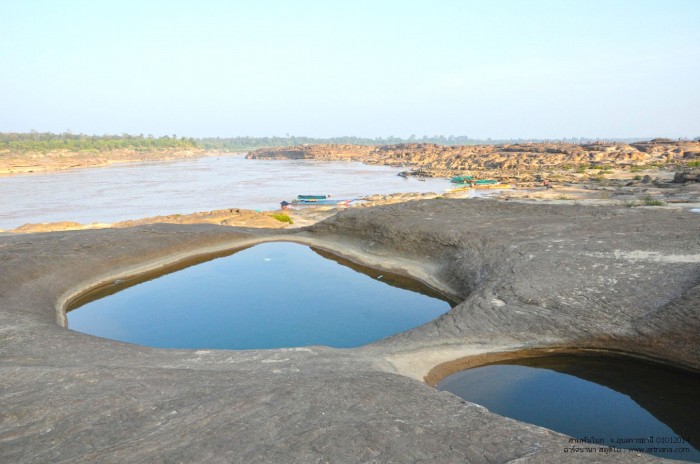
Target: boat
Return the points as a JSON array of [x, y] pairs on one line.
[[461, 179], [490, 184], [460, 188], [320, 202], [493, 186], [313, 197]]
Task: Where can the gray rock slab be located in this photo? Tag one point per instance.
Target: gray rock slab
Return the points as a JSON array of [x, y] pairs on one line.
[[526, 276]]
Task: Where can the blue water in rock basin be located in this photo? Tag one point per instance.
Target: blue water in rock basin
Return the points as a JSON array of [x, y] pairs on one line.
[[603, 401], [271, 295]]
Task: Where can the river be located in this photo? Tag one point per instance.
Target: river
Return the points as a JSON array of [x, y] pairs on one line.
[[138, 190]]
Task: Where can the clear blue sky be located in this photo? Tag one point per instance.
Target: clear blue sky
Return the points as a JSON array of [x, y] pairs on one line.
[[500, 69]]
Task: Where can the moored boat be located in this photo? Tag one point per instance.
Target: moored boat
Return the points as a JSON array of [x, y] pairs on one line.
[[493, 186], [460, 188], [490, 184], [461, 179], [320, 202], [313, 197]]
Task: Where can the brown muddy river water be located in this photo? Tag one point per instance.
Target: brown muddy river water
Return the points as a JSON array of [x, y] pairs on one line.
[[139, 190]]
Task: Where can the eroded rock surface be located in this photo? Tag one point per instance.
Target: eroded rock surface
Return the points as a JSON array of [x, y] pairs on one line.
[[528, 276], [518, 162]]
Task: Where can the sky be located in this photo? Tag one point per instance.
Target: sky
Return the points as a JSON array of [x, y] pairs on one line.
[[484, 69]]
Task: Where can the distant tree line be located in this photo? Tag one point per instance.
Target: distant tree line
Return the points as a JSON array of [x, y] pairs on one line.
[[45, 141]]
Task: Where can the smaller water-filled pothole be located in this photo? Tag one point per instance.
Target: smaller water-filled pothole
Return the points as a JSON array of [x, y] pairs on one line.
[[273, 295], [600, 401]]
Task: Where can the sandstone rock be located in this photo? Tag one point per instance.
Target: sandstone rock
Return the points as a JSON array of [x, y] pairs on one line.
[[692, 175], [516, 161]]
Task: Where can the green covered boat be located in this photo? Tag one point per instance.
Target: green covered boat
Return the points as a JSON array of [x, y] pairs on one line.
[[461, 179]]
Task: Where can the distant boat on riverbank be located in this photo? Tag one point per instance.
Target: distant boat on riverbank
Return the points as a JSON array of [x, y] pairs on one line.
[[317, 200], [492, 184], [485, 182], [313, 197], [301, 201], [461, 179], [463, 184], [460, 188]]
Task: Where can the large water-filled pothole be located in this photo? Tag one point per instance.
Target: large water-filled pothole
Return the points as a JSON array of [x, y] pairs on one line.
[[272, 295], [600, 401]]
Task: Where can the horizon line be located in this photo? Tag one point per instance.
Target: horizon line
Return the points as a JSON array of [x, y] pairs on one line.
[[412, 138]]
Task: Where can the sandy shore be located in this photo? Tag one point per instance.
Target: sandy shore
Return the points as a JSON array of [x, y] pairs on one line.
[[28, 163]]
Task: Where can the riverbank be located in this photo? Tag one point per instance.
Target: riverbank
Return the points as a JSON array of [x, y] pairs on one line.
[[18, 163], [528, 276], [656, 173], [233, 217], [509, 163], [662, 195]]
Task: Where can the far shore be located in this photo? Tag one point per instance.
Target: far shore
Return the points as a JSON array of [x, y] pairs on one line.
[[30, 163], [557, 162], [655, 174]]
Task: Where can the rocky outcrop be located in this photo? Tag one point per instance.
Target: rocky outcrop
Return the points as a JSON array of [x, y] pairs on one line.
[[526, 276], [515, 161], [690, 175]]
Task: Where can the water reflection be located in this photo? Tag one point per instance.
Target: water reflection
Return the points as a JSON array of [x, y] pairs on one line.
[[389, 278], [617, 400], [268, 296]]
